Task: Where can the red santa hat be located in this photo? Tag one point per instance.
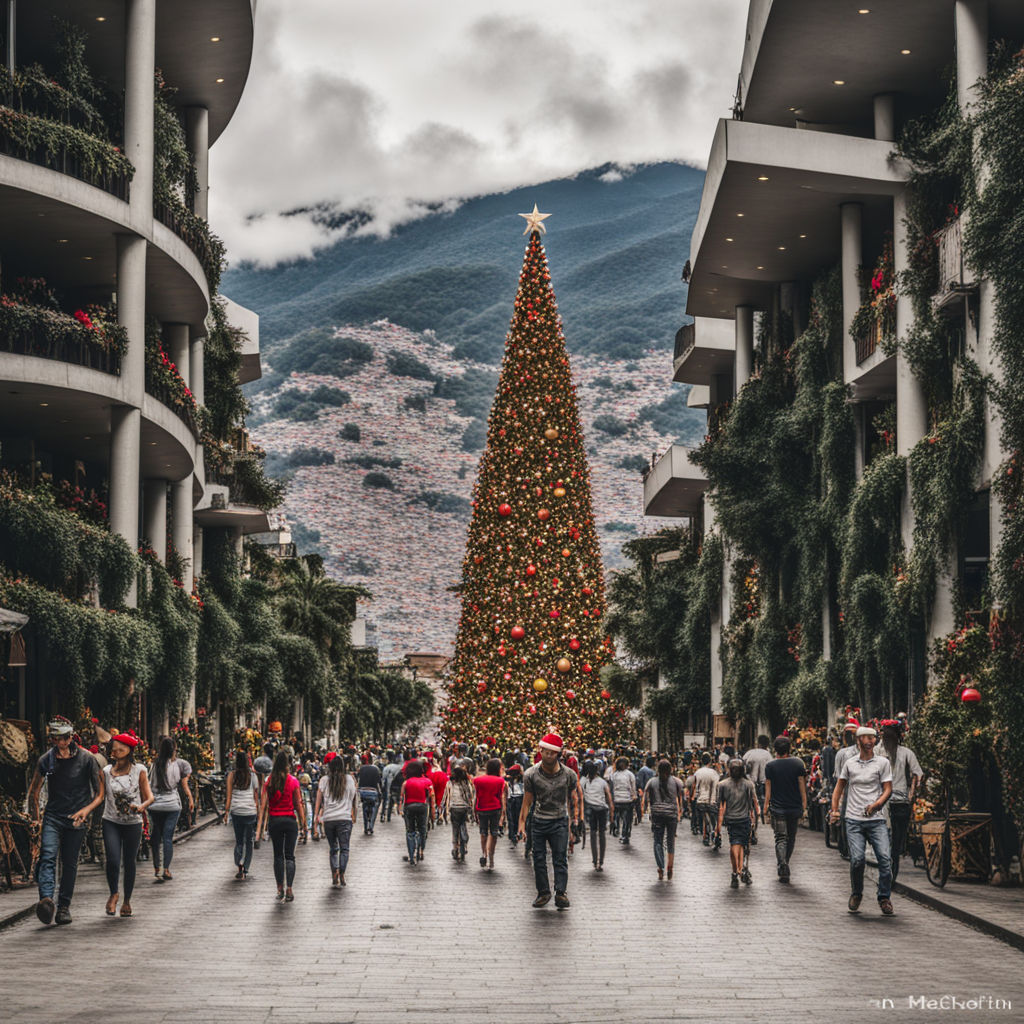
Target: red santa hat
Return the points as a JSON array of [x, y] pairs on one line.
[[551, 742]]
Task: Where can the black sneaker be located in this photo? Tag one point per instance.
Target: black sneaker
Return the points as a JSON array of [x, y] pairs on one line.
[[483, 862], [64, 915], [753, 840], [542, 900], [561, 901], [745, 877], [783, 872], [854, 905], [735, 883], [45, 909]]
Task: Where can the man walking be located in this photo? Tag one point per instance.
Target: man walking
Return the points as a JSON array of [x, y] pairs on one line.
[[74, 788], [906, 777], [785, 799], [755, 759], [867, 782], [705, 794], [738, 808], [552, 791]]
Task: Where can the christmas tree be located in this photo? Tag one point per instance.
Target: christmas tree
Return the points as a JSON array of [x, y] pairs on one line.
[[531, 640]]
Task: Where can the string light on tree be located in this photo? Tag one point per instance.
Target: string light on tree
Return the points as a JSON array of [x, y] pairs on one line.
[[530, 641]]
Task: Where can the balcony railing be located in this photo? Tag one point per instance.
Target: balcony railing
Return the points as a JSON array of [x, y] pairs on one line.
[[867, 343], [685, 340], [953, 274], [166, 396], [193, 231]]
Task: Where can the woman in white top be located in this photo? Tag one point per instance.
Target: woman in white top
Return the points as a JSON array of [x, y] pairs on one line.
[[241, 808], [127, 796], [336, 811], [597, 806], [167, 775]]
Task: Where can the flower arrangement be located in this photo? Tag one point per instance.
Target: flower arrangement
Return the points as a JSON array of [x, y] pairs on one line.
[[878, 310], [250, 740], [193, 745]]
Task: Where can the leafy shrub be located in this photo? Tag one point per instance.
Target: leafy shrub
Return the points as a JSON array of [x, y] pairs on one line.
[[401, 364], [438, 501], [379, 480], [350, 432], [611, 425], [371, 461], [636, 463], [417, 403]]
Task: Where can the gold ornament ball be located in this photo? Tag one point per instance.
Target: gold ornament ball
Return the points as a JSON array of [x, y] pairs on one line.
[[551, 433], [559, 492], [563, 665], [540, 684]]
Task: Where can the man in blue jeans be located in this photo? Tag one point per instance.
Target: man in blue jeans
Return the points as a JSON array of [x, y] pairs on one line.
[[551, 790], [867, 781], [74, 788]]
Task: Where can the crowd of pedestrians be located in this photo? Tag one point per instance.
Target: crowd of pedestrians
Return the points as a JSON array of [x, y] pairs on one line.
[[549, 800]]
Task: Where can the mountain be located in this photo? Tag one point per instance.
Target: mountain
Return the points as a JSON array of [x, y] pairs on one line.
[[380, 367]]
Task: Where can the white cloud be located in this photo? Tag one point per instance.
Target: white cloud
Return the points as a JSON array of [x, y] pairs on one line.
[[386, 108]]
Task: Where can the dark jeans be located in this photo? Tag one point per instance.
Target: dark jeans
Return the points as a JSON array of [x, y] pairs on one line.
[[59, 839], [284, 833], [390, 802], [369, 798], [514, 807], [338, 834], [416, 828], [553, 832], [245, 831], [858, 835], [122, 842], [784, 826], [663, 828], [459, 817], [161, 835], [899, 824], [597, 820], [624, 820]]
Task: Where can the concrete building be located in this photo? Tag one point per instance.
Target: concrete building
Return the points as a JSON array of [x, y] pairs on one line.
[[98, 237], [802, 179]]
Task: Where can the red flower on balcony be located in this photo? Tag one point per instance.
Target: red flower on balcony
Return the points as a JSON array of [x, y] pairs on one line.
[[83, 318]]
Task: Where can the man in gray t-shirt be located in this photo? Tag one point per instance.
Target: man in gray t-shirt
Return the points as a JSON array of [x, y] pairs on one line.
[[551, 790]]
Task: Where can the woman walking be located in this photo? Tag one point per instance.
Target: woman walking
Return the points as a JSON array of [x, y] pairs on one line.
[[663, 795], [282, 809], [241, 809], [597, 806], [336, 812], [490, 809], [169, 780], [416, 806], [458, 806], [514, 800], [127, 796]]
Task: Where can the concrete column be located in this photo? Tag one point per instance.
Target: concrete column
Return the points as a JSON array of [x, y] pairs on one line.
[[139, 68], [179, 347], [197, 551], [181, 513], [154, 527], [131, 314], [744, 346], [852, 256], [971, 25], [10, 35], [125, 422], [196, 371], [237, 538], [197, 131], [885, 117]]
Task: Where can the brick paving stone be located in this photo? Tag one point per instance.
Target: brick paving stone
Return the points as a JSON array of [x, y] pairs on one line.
[[452, 943]]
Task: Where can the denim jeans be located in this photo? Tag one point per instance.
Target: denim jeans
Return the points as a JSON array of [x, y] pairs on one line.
[[59, 838], [624, 820], [390, 802], [369, 798], [284, 833], [245, 831], [415, 828], [459, 817], [899, 824], [161, 835], [338, 834], [663, 828], [553, 832], [597, 820], [122, 843], [515, 805], [784, 826], [858, 835]]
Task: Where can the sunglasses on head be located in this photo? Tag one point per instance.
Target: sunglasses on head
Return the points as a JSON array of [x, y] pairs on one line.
[[60, 736]]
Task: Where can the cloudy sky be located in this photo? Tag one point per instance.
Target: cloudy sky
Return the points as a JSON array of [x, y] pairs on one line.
[[387, 106]]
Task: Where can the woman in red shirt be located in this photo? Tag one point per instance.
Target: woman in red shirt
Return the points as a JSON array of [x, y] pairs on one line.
[[415, 803], [490, 809], [281, 805]]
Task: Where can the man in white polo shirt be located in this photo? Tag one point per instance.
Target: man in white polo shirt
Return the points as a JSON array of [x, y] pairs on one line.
[[867, 782]]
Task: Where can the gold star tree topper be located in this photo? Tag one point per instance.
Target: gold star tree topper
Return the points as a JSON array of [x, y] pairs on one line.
[[534, 221]]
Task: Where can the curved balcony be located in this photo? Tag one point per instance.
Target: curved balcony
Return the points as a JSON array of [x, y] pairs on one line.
[[674, 486]]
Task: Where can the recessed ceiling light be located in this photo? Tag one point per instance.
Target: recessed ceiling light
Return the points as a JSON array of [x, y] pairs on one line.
[[214, 39], [101, 18], [838, 81], [44, 404], [782, 248], [219, 80], [864, 10], [728, 239], [87, 437], [62, 241], [739, 214], [792, 110], [152, 444], [86, 257], [760, 268], [724, 267], [904, 52], [803, 236], [762, 177]]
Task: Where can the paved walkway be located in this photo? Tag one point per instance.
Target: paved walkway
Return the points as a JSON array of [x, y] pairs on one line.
[[452, 943]]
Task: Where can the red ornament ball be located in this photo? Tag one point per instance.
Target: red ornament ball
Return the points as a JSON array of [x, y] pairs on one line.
[[605, 695], [504, 509], [970, 695], [481, 686], [587, 668], [574, 644], [543, 515], [570, 694], [587, 591], [554, 613], [531, 570], [517, 632]]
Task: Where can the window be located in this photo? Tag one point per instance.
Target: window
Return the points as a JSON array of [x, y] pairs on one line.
[[975, 550]]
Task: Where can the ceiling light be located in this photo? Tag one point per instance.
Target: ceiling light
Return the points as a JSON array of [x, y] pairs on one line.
[[838, 81], [219, 80], [101, 18], [152, 444], [739, 214], [762, 177], [782, 248], [803, 236], [760, 268], [44, 404], [728, 239], [792, 110], [86, 257], [724, 267], [864, 10], [214, 39], [905, 52], [61, 241], [87, 438]]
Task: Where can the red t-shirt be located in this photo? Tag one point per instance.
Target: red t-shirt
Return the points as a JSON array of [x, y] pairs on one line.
[[488, 792], [417, 790], [440, 780], [281, 803]]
